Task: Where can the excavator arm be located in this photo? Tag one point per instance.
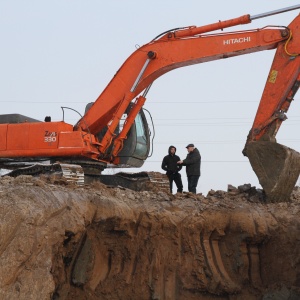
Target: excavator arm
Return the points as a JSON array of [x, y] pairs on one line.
[[276, 166], [281, 86]]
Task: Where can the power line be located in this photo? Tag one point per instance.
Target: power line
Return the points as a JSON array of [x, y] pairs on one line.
[[238, 124], [43, 102], [217, 142], [207, 161], [210, 118], [201, 102], [290, 121], [149, 102]]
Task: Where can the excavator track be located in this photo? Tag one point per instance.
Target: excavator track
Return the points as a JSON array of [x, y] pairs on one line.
[[35, 170], [71, 173], [67, 172], [142, 181]]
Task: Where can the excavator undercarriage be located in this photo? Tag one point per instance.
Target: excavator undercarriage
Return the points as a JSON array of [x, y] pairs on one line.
[[71, 173]]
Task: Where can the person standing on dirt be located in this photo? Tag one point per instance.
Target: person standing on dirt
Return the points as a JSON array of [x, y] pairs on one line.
[[169, 164], [192, 163]]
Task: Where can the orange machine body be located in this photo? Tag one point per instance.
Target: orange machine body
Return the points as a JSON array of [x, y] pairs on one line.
[[45, 140]]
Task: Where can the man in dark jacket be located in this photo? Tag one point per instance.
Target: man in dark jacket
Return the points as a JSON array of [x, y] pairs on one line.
[[192, 163], [169, 164]]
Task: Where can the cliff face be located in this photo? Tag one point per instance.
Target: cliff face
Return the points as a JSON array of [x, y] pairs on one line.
[[94, 242]]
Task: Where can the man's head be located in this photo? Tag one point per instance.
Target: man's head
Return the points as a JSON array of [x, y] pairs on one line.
[[172, 150], [190, 147]]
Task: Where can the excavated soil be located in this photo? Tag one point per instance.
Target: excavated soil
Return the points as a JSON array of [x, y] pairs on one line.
[[62, 241]]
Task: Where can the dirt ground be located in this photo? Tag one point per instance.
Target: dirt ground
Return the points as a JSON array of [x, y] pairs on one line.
[[65, 241]]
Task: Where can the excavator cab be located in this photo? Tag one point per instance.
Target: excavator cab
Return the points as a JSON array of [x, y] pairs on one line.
[[136, 146]]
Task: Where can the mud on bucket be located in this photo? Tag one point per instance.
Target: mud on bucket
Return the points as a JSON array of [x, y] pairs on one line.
[[277, 168]]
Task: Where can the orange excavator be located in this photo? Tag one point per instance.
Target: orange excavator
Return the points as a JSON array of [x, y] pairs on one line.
[[99, 139]]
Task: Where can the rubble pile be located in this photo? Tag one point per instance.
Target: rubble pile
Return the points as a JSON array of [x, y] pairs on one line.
[[65, 241]]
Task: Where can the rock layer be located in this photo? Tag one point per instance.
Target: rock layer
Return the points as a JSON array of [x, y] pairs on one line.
[[95, 242]]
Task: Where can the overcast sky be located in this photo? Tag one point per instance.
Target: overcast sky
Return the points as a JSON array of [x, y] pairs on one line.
[[64, 53]]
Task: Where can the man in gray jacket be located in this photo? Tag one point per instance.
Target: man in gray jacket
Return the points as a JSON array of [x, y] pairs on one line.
[[192, 163]]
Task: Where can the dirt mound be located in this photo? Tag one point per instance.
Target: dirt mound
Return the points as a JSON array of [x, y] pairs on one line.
[[62, 241]]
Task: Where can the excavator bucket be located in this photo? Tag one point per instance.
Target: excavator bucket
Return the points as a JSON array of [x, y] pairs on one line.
[[277, 168]]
